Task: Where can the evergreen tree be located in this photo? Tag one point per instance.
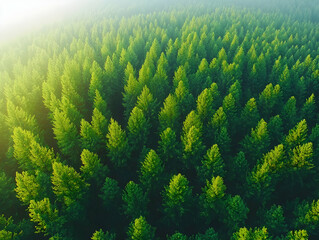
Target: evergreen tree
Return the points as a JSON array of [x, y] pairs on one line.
[[66, 134], [68, 185], [177, 199], [138, 127], [308, 110], [249, 116], [117, 144], [140, 230], [168, 148], [46, 217], [257, 143], [92, 169], [135, 201], [110, 193], [169, 114], [289, 113], [100, 235], [27, 187], [22, 146], [212, 164], [250, 234], [211, 200], [151, 172]]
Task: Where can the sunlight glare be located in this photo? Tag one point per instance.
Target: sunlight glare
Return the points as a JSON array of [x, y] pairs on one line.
[[16, 13]]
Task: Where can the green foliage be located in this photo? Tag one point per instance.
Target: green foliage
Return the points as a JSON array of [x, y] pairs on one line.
[[45, 216], [275, 221], [212, 164], [236, 213], [65, 133], [7, 196], [135, 201], [138, 128], [68, 185], [128, 118], [212, 193], [92, 169], [117, 144], [177, 236], [168, 146], [210, 234], [255, 145], [169, 114], [23, 140], [139, 229], [297, 235], [100, 235], [27, 187], [250, 234], [110, 193], [177, 198], [151, 170], [297, 135]]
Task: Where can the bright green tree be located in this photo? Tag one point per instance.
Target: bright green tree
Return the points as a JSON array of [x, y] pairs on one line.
[[139, 229], [117, 144]]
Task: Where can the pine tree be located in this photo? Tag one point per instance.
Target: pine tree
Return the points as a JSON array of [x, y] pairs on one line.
[[210, 234], [256, 233], [140, 230], [92, 169], [147, 104], [138, 127], [159, 85], [66, 134], [169, 148], [151, 172], [184, 99], [275, 129], [263, 177], [169, 114], [275, 220], [289, 114], [180, 75], [236, 213], [89, 137], [269, 101], [46, 216], [100, 235], [205, 105], [27, 188], [255, 145], [177, 199], [132, 90], [68, 185], [110, 193], [308, 110], [249, 116], [117, 144], [100, 104], [22, 145], [96, 82], [134, 201], [212, 164], [211, 199], [193, 147], [296, 136]]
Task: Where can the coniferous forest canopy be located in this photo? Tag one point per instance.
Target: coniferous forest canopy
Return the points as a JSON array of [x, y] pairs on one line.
[[144, 120]]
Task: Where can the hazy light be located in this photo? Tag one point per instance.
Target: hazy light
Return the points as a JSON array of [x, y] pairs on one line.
[[15, 15]]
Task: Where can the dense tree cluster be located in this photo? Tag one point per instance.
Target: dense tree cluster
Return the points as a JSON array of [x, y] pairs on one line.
[[197, 122]]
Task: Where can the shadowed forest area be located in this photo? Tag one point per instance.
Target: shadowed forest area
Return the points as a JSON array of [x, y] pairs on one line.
[[148, 120]]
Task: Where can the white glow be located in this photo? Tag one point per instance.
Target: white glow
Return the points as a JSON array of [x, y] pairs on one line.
[[17, 14]]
